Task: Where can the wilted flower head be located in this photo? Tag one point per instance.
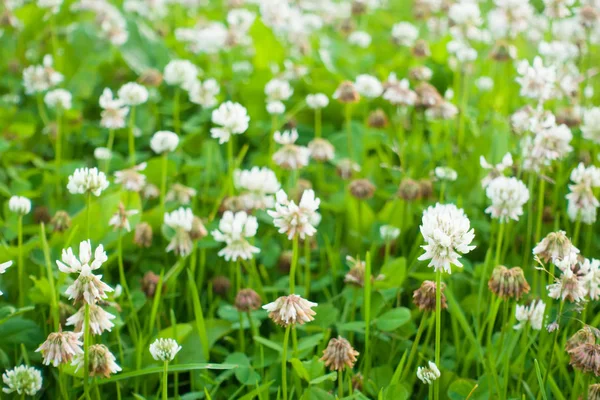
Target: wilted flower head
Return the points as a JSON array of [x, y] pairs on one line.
[[235, 230], [180, 220], [164, 141], [120, 219], [582, 336], [164, 349], [292, 219], [61, 221], [133, 94], [346, 93], [290, 310], [534, 314], [321, 150], [180, 193], [495, 171], [87, 180], [424, 296], [586, 358], [22, 379], [428, 374], [377, 119], [339, 354], [258, 186], [404, 34], [398, 92], [101, 361], [60, 347], [507, 283], [131, 179], [427, 96], [508, 195], [19, 205], [555, 246], [362, 189], [290, 155], [233, 120], [247, 300], [409, 189], [143, 235], [447, 234], [568, 287]]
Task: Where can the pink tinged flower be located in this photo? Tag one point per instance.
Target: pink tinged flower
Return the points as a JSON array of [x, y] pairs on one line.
[[100, 320], [290, 310], [60, 347]]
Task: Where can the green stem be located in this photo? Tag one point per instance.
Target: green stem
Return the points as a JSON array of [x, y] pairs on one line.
[[58, 156], [499, 244], [176, 123], [560, 309], [318, 124], [415, 346], [20, 269], [163, 182], [540, 211], [86, 352], [131, 140], [49, 273], [438, 327], [165, 395], [230, 166], [286, 338], [109, 146], [42, 109], [340, 384], [87, 213], [577, 230], [348, 117], [307, 267], [294, 264], [367, 313]]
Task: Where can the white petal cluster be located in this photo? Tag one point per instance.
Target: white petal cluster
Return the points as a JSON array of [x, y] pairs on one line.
[[235, 230], [22, 379], [131, 179], [321, 150], [590, 269], [204, 93], [102, 361], [550, 143], [495, 170], [204, 38], [232, 119], [389, 233], [360, 39], [39, 78], [19, 205], [290, 155], [569, 286], [164, 141], [278, 90], [445, 174], [398, 92], [317, 101], [59, 99], [368, 86], [114, 111], [428, 374], [133, 94], [537, 81], [292, 219], [61, 347], [447, 234], [290, 310], [182, 221], [275, 107], [180, 73], [581, 202], [87, 180], [404, 34], [508, 195], [533, 313], [100, 320], [3, 267], [258, 187], [164, 349], [590, 128]]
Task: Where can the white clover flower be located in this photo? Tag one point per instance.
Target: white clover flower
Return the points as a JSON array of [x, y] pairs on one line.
[[22, 379], [120, 219], [60, 347], [39, 78], [292, 219], [180, 193], [180, 73], [164, 141], [290, 310], [258, 187], [87, 180], [550, 143], [131, 179], [290, 155], [275, 108], [100, 320], [508, 195], [234, 230], [88, 287], [445, 174], [317, 101], [233, 120], [164, 349], [360, 39], [428, 374], [581, 202], [484, 83], [462, 50], [182, 221], [133, 94], [494, 170], [278, 90], [558, 8], [208, 38], [404, 34], [555, 247], [101, 361], [389, 233], [19, 205], [102, 153], [321, 150], [447, 234], [113, 111], [590, 128], [368, 86], [204, 93], [60, 99], [3, 267], [71, 264], [52, 5], [568, 286], [536, 80], [590, 269], [534, 314], [398, 92]]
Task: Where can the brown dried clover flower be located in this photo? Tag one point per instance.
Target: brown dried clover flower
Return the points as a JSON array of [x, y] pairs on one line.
[[409, 189], [586, 358], [346, 93], [424, 296], [585, 335], [339, 354], [149, 284], [425, 188], [356, 275], [151, 77], [378, 119], [61, 221], [362, 189], [221, 285], [198, 230], [507, 283], [594, 392], [143, 235], [421, 49], [346, 168], [427, 96], [247, 300], [41, 214]]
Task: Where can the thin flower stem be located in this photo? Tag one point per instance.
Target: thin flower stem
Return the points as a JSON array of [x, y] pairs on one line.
[[294, 264], [286, 338], [109, 146], [530, 185], [230, 166], [540, 210], [577, 230], [499, 244], [165, 395], [348, 117], [58, 155], [307, 267], [163, 182], [415, 346], [42, 109], [340, 384], [318, 124], [49, 273], [176, 123], [131, 140], [86, 352], [20, 269], [560, 310], [367, 314], [87, 213], [438, 327]]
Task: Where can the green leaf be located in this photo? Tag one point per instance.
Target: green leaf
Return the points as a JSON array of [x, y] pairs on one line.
[[332, 376], [268, 343], [315, 393], [393, 319], [172, 368], [300, 369], [460, 389]]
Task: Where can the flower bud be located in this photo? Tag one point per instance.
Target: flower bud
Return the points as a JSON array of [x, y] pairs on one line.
[[221, 285], [362, 189], [61, 221], [378, 119], [247, 300], [346, 93], [424, 296]]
